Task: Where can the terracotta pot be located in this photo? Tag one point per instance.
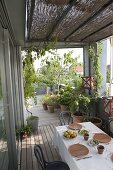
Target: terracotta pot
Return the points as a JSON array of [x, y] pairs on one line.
[[63, 108], [95, 120], [50, 109], [57, 106], [23, 135], [44, 106], [77, 119]]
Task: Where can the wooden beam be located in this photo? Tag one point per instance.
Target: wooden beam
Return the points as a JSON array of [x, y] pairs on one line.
[[31, 17], [104, 38], [59, 20], [97, 31], [90, 18]]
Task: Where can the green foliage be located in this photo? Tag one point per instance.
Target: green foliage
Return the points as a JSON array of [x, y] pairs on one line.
[[56, 69], [76, 100], [52, 100], [96, 64], [32, 118], [24, 130], [108, 76], [65, 95], [29, 75], [30, 78], [45, 98], [84, 101]]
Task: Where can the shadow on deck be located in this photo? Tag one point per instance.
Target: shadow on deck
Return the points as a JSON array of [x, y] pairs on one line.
[[44, 138]]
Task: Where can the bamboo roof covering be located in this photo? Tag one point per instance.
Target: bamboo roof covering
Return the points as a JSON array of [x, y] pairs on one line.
[[80, 21]]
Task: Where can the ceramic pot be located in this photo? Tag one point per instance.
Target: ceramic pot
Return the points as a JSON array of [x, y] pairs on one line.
[[44, 106], [100, 149], [50, 109], [63, 108], [33, 123], [86, 136]]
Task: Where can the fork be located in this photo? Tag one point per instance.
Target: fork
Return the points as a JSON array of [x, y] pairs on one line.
[[84, 158]]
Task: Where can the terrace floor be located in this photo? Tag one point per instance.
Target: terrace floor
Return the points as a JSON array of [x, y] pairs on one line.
[[47, 122], [44, 138]]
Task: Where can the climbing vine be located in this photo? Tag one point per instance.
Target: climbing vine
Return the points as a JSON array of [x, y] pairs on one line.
[[95, 56], [29, 74]]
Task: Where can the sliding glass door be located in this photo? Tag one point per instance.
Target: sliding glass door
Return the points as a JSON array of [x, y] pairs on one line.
[[4, 161]]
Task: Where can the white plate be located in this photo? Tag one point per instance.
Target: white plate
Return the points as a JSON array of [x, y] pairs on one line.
[[91, 142]]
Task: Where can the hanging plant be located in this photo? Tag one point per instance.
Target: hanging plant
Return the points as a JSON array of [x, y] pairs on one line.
[[29, 74], [96, 64]]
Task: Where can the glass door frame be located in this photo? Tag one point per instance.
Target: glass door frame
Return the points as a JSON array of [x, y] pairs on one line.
[[8, 101]]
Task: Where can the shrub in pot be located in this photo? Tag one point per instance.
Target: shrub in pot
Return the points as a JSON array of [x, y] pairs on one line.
[[86, 106], [44, 101], [65, 98], [23, 132], [51, 102], [33, 122]]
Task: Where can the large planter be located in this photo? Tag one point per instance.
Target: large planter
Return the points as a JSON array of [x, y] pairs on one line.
[[57, 106], [33, 122], [44, 106], [95, 120], [50, 109], [63, 108]]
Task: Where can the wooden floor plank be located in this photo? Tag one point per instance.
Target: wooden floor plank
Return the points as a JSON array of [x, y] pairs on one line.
[[55, 153], [37, 140], [29, 163], [23, 155], [48, 155], [44, 139], [49, 143], [35, 164]]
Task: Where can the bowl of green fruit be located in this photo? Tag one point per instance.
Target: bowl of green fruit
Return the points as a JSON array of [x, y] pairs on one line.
[[83, 131]]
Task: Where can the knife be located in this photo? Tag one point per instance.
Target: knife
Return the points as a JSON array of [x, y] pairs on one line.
[[84, 158]]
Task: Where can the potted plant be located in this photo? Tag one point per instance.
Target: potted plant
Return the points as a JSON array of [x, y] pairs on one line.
[[80, 103], [65, 98], [84, 101], [51, 102], [91, 111], [85, 109], [33, 122], [23, 132], [44, 101]]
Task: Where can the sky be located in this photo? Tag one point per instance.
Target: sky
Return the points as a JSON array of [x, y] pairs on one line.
[[108, 52], [76, 52]]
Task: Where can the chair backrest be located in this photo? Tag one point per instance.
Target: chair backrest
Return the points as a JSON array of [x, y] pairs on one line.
[[65, 118], [39, 156]]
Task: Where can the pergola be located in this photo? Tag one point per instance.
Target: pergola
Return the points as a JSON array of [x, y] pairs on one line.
[[71, 21], [25, 23], [75, 23]]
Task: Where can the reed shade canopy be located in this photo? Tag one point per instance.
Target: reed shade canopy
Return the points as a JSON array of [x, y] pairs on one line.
[[80, 21]]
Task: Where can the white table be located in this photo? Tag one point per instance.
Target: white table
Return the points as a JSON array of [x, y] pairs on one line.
[[96, 162]]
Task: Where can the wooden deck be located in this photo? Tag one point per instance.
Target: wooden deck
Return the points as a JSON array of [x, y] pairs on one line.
[[44, 138]]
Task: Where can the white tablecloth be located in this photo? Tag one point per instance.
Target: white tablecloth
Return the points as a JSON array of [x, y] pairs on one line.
[[96, 162]]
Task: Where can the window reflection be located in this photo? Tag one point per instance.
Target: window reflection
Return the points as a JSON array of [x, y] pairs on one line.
[[3, 137]]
